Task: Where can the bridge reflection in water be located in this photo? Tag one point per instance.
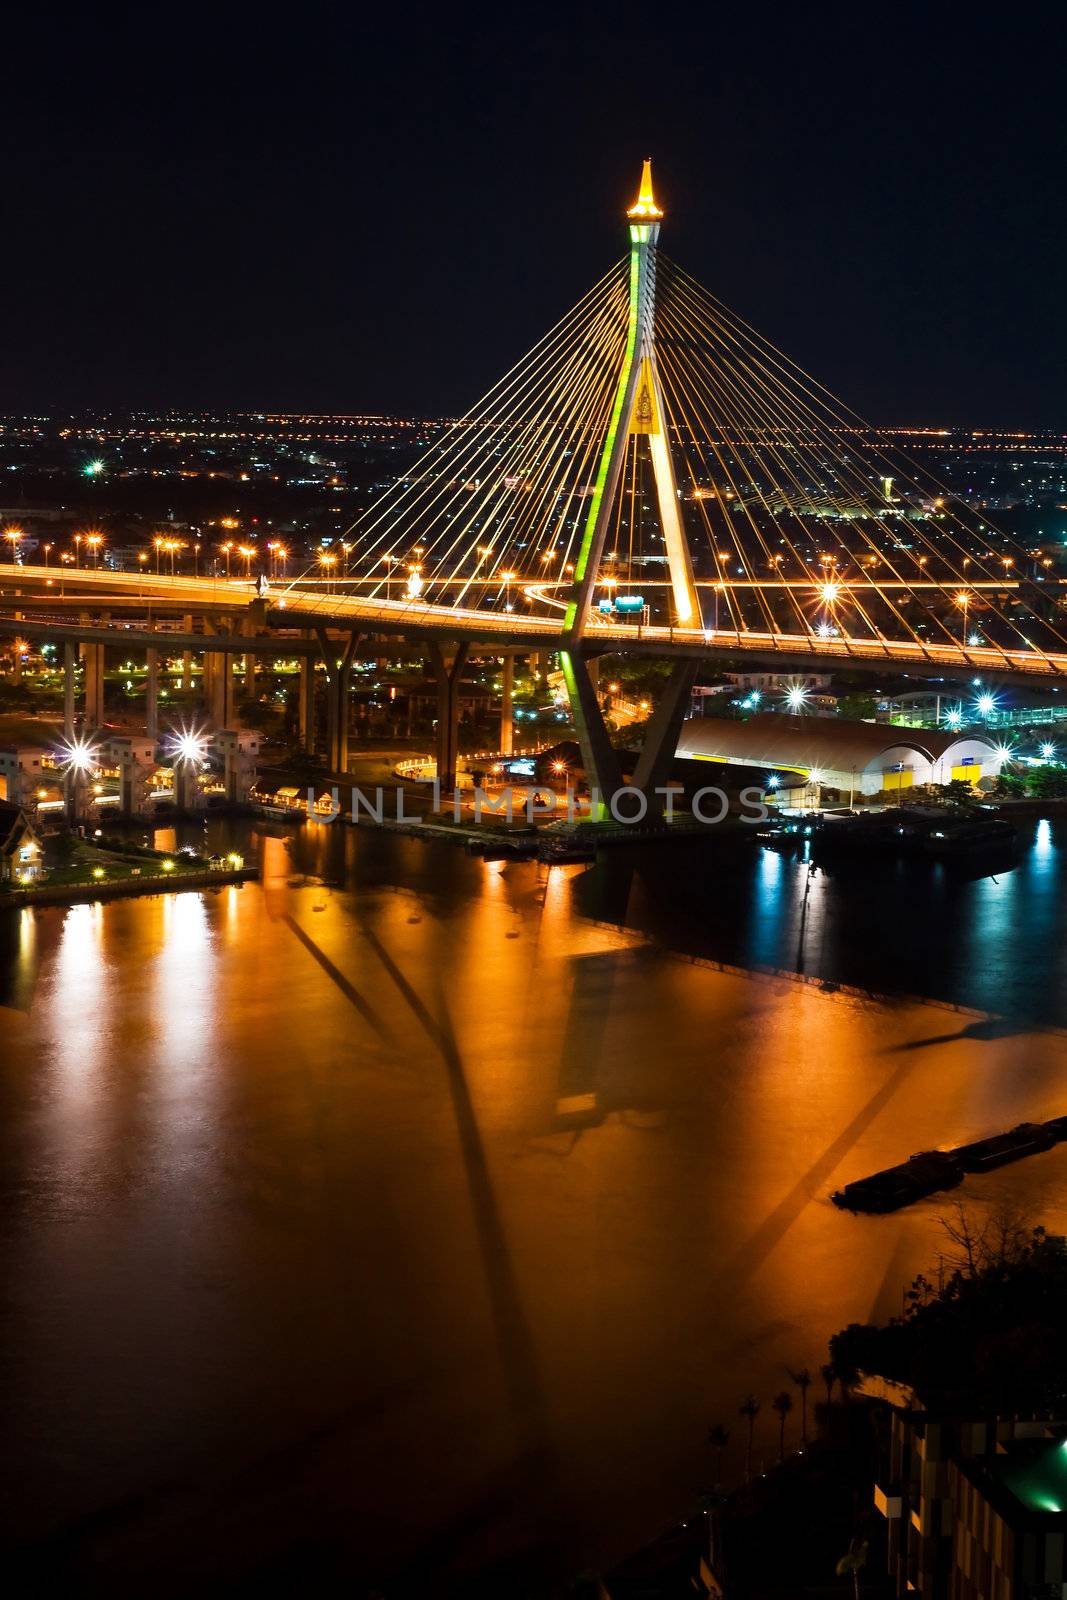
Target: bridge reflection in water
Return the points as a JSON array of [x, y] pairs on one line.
[[455, 1297]]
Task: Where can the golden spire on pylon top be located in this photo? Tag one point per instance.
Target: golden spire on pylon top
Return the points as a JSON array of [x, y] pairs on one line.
[[646, 206]]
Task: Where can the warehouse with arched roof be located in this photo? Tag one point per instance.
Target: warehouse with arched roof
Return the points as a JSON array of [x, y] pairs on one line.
[[869, 757]]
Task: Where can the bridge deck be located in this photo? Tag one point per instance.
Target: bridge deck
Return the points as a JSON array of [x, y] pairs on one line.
[[295, 607]]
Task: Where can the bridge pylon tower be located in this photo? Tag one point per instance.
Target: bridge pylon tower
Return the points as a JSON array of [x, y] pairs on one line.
[[638, 409]]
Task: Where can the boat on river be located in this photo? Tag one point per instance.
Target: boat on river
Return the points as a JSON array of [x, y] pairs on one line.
[[931, 1171], [1026, 1139], [923, 1174]]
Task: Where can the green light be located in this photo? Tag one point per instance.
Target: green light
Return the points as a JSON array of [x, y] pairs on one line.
[[613, 426], [93, 469]]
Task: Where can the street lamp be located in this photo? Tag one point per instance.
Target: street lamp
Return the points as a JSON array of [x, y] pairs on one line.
[[13, 536], [93, 540], [327, 562], [963, 600]]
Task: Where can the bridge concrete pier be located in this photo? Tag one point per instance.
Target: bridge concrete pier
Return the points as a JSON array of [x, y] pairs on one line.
[[93, 656], [600, 761], [306, 703], [70, 668], [661, 735], [217, 682], [151, 693], [249, 628], [218, 687], [448, 671], [338, 675], [187, 655], [507, 718]]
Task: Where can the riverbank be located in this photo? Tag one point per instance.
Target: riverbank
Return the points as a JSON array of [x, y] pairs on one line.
[[81, 891]]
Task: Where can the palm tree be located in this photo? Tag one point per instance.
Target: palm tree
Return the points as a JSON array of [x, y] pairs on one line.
[[749, 1409], [718, 1439], [828, 1373], [783, 1404], [802, 1379]]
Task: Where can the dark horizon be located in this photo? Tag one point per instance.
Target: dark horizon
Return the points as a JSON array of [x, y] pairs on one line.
[[380, 216]]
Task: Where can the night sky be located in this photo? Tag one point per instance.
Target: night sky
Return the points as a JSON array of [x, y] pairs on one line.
[[338, 208]]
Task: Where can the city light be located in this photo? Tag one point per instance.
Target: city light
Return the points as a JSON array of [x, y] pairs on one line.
[[1048, 751], [987, 704], [796, 697], [78, 755], [190, 747], [93, 469], [954, 718]]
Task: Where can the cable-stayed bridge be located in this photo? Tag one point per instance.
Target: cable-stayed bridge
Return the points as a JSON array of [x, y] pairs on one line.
[[656, 477]]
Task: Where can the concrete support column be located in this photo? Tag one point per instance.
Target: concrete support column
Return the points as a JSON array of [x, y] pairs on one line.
[[661, 735], [151, 693], [598, 758], [338, 670], [448, 675], [221, 688], [127, 787], [70, 660], [306, 697], [248, 626], [93, 656], [187, 656], [507, 719]]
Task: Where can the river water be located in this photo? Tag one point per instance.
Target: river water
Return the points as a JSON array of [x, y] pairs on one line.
[[403, 1221]]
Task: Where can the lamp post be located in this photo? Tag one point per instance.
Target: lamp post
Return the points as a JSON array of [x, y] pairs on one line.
[[963, 600]]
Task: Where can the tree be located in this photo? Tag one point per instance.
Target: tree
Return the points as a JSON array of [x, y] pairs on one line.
[[718, 1439], [749, 1409], [828, 1373], [783, 1404], [802, 1379], [853, 1561]]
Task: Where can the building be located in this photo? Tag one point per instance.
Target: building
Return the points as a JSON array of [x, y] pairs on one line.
[[22, 769], [1009, 1518], [854, 757], [20, 848], [976, 1508]]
